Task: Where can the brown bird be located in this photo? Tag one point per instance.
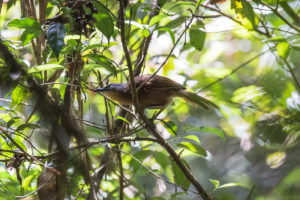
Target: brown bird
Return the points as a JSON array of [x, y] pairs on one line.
[[156, 93]]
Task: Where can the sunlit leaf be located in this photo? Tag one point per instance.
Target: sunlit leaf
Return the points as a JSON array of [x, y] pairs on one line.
[[123, 119], [213, 130], [172, 35], [217, 72], [171, 127], [31, 26], [55, 36], [26, 182], [28, 35], [18, 95], [27, 126], [248, 93], [207, 129], [44, 67], [156, 19], [146, 32], [233, 185], [193, 147], [12, 121], [216, 183], [193, 137], [283, 49], [24, 23], [245, 14], [276, 159], [278, 39], [5, 117], [168, 66], [94, 46]]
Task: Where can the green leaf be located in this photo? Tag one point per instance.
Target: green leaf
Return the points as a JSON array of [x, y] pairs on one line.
[[245, 14], [213, 130], [27, 23], [248, 93], [27, 126], [104, 21], [161, 158], [176, 22], [172, 35], [12, 121], [207, 129], [197, 38], [140, 155], [28, 36], [217, 72], [278, 39], [193, 148], [193, 137], [216, 183], [233, 185], [31, 26], [283, 49], [55, 36], [145, 32], [26, 182], [94, 46], [179, 177], [103, 61], [179, 7], [45, 67], [157, 18], [18, 95], [171, 127], [123, 119]]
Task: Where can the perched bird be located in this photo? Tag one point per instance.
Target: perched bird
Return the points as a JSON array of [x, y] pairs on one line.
[[156, 93]]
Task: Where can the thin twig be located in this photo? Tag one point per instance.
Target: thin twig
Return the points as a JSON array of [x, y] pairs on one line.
[[27, 154], [126, 53], [171, 51], [235, 70], [292, 73], [149, 125], [275, 11], [154, 174], [121, 178], [235, 20]]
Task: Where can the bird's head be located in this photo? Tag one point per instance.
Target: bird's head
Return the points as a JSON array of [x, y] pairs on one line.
[[117, 92]]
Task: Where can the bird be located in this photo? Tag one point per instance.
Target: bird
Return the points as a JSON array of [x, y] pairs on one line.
[[154, 92]]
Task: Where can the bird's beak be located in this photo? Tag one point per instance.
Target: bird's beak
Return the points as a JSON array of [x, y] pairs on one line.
[[99, 89]]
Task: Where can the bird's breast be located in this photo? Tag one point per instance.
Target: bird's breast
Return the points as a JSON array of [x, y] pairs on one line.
[[122, 98]]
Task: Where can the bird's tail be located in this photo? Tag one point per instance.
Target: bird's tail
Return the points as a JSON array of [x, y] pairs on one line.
[[194, 98]]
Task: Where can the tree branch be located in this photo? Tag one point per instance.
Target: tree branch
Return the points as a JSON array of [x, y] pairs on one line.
[[275, 11], [234, 70]]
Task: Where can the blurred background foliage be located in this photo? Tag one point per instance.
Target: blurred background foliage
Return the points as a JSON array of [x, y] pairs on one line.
[[242, 55]]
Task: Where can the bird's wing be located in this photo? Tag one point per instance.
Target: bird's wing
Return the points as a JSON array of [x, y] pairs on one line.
[[157, 82]]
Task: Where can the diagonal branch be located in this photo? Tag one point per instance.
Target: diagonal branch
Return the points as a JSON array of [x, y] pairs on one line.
[[235, 70]]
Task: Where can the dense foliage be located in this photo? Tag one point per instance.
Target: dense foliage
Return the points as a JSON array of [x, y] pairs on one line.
[[60, 140]]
